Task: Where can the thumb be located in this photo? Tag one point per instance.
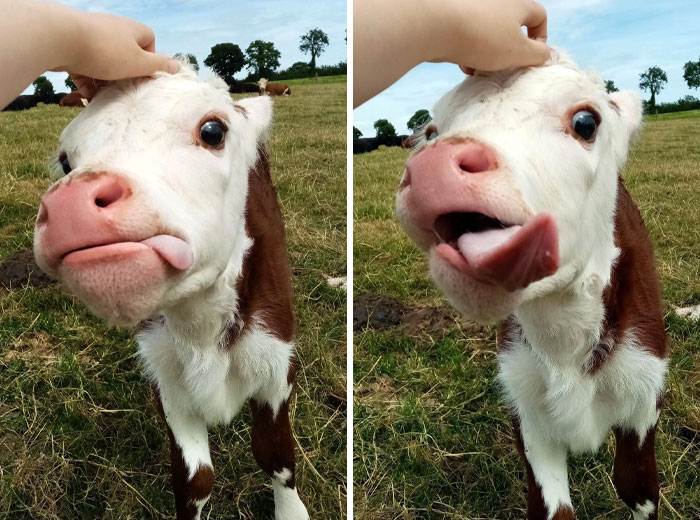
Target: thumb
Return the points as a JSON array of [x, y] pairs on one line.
[[152, 62], [535, 52]]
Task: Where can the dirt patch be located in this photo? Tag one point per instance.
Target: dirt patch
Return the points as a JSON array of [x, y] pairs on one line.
[[378, 312], [21, 270], [31, 346]]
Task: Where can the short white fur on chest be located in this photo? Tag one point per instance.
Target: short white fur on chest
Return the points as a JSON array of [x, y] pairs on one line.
[[543, 371], [214, 381]]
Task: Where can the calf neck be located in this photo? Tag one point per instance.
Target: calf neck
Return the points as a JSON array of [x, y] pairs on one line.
[[164, 216], [514, 194]]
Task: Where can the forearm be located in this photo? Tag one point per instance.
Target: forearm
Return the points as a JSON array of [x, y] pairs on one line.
[[389, 40], [36, 37]]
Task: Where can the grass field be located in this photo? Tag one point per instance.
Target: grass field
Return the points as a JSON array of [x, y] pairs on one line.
[[432, 438], [321, 80], [79, 436]]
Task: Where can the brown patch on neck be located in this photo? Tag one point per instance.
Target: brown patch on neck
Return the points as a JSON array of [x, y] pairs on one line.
[[265, 284], [564, 513], [633, 298]]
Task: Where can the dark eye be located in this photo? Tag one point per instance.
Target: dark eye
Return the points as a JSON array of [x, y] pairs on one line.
[[584, 124], [63, 159], [213, 133], [431, 133]]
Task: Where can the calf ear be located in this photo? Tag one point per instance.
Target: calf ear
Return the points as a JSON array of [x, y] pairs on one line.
[[629, 106], [258, 111]]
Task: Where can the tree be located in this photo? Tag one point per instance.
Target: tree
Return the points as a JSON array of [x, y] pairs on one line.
[[385, 130], [43, 88], [610, 86], [226, 59], [653, 80], [356, 134], [418, 120], [262, 58], [691, 73], [69, 83], [314, 42], [189, 57]]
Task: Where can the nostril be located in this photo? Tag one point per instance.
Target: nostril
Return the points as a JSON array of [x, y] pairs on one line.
[[108, 194], [406, 180], [474, 162], [43, 217]]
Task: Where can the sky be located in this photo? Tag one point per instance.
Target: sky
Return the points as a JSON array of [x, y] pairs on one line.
[[194, 26], [618, 38]]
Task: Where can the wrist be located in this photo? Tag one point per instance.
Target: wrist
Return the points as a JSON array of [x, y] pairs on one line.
[[62, 27]]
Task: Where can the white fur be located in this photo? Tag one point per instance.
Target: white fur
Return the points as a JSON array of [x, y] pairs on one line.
[[643, 511], [522, 115], [145, 130], [199, 504], [288, 505]]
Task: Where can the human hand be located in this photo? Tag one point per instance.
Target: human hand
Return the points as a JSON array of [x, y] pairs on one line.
[[488, 36], [107, 47]]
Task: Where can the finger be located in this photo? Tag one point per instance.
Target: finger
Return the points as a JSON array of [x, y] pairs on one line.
[[152, 62], [534, 52], [535, 20]]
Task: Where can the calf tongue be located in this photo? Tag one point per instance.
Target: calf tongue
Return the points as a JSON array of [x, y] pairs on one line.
[[513, 257], [173, 250]]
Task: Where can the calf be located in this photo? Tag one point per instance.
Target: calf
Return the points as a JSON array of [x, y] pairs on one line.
[[164, 215], [74, 99], [515, 195], [273, 89]]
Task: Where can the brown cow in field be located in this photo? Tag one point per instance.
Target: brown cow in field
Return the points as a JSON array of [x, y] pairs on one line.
[[273, 89], [74, 99]]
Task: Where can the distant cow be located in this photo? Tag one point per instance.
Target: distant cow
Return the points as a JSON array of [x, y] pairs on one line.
[[273, 89], [365, 144], [23, 102], [242, 87], [74, 99]]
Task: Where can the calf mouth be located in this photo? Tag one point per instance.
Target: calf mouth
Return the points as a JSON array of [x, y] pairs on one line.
[[498, 253], [450, 226]]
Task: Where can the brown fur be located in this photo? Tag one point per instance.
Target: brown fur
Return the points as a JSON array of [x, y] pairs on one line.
[[74, 99], [632, 301], [276, 89], [633, 297], [265, 285], [271, 439], [635, 475]]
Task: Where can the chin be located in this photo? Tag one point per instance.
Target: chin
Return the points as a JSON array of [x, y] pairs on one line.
[[477, 301], [123, 286]]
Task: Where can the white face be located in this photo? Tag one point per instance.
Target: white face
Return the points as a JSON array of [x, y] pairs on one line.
[[512, 190], [149, 205]]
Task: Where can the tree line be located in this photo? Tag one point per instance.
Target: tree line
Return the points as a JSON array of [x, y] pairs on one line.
[[261, 59], [652, 81]]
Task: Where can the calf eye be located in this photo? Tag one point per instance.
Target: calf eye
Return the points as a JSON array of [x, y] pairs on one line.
[[65, 164], [431, 133], [584, 124], [213, 133]]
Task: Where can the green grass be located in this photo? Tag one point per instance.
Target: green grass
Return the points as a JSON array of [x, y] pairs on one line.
[[673, 115], [432, 438], [79, 436], [321, 80]]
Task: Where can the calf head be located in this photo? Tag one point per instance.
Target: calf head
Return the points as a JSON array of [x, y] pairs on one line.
[[149, 203], [512, 188]]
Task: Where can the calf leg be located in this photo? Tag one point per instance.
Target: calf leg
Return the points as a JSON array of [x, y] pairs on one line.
[[547, 479], [634, 472], [273, 447], [191, 467]]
